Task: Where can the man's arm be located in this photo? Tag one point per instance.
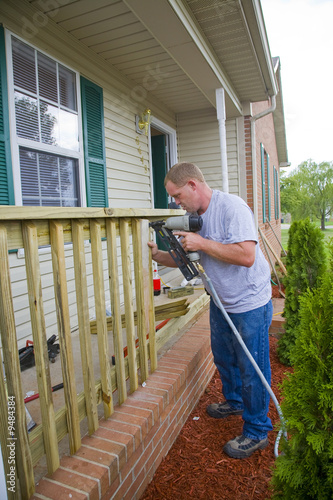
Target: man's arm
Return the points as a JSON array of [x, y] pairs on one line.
[[240, 254], [161, 257]]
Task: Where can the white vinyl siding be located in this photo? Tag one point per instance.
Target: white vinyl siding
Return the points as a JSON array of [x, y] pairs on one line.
[[128, 174], [198, 142]]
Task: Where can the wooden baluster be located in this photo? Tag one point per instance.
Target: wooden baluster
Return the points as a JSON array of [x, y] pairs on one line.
[[141, 286], [84, 324], [30, 241], [128, 300], [4, 434], [102, 333], [150, 298], [23, 460], [64, 332], [117, 329]]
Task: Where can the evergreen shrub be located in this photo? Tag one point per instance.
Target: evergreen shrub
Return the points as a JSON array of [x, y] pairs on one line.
[[305, 468], [305, 264]]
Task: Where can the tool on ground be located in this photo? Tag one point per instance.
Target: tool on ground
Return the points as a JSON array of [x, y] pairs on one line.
[[27, 356], [189, 265], [36, 396], [31, 424]]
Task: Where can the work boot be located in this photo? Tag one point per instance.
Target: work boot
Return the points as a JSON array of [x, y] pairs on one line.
[[222, 410], [243, 447]]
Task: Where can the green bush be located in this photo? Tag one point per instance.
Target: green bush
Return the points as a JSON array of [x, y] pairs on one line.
[[305, 468], [305, 264]]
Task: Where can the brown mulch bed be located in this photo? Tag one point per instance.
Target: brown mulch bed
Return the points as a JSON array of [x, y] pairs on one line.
[[196, 466]]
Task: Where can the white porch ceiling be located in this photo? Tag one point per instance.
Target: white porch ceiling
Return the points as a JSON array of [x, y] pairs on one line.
[[191, 46]]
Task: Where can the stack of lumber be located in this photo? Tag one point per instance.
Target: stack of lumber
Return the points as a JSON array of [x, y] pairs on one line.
[[164, 311]]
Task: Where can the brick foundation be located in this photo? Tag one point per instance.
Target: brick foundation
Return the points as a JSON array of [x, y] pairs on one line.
[[120, 459]]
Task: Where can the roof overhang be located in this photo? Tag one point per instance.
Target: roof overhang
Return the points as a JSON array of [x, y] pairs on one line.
[[176, 28], [193, 46]]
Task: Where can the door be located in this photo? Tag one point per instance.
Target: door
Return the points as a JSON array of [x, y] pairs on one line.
[[159, 163]]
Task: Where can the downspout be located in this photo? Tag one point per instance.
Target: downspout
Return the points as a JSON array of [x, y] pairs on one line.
[[221, 117], [254, 156]]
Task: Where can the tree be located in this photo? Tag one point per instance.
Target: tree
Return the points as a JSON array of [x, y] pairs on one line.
[[305, 468], [305, 265], [308, 191]]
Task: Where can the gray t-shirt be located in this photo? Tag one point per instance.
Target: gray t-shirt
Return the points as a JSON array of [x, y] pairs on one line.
[[229, 219]]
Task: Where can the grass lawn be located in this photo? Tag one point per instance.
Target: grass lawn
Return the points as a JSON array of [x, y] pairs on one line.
[[328, 233]]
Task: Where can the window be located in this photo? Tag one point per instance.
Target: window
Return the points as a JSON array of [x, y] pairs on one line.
[[47, 128], [56, 133]]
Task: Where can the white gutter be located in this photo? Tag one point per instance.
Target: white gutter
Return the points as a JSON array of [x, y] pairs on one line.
[[221, 117], [254, 156]]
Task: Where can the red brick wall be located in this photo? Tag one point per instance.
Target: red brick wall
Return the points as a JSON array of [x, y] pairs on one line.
[[264, 133]]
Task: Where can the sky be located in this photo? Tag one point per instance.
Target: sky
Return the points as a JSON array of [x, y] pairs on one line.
[[300, 32]]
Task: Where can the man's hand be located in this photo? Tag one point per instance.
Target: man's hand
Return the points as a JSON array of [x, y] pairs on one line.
[[154, 249], [239, 254], [160, 256], [191, 242]]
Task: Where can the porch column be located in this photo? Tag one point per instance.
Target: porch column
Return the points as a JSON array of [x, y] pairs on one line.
[[221, 117]]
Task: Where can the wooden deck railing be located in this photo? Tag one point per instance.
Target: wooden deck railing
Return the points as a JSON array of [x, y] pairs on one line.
[[124, 233]]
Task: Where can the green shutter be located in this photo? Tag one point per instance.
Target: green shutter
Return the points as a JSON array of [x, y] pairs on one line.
[[276, 193], [268, 188], [6, 173], [94, 144], [263, 183]]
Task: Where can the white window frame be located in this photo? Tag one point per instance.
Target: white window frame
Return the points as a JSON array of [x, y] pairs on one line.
[[17, 142]]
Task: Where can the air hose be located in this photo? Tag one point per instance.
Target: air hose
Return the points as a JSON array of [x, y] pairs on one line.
[[213, 293]]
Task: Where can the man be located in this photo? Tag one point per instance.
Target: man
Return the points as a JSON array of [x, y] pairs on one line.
[[232, 258]]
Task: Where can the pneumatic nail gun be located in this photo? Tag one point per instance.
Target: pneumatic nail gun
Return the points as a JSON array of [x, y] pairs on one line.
[[164, 230]]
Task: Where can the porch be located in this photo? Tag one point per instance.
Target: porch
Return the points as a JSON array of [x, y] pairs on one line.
[[121, 265]]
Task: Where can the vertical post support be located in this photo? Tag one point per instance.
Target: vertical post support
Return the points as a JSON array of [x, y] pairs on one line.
[[102, 332], [30, 241], [128, 300], [64, 332], [111, 234], [141, 273], [84, 325], [23, 460]]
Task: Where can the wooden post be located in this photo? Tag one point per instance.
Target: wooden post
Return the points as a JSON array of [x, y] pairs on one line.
[[128, 299], [84, 324], [151, 308], [64, 331], [140, 273], [117, 329], [102, 332], [21, 449], [29, 233], [4, 429]]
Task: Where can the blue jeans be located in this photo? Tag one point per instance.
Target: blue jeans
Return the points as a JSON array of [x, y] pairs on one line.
[[241, 385]]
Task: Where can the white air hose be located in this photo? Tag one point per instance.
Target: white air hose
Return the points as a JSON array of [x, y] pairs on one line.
[[212, 291]]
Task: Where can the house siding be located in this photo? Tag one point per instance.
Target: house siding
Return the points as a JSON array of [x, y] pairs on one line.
[[127, 164], [198, 142]]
